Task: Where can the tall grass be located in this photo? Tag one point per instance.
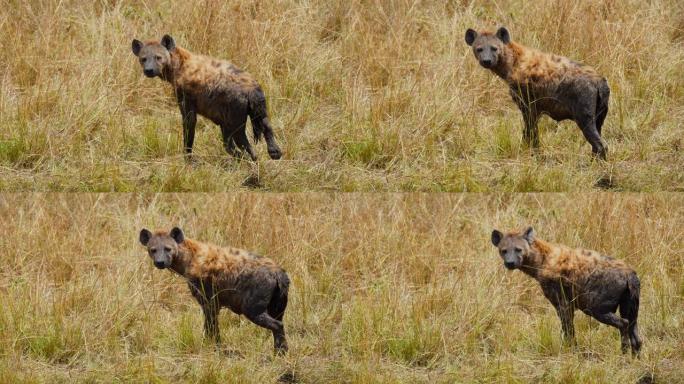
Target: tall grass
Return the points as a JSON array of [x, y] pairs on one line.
[[364, 96], [387, 288]]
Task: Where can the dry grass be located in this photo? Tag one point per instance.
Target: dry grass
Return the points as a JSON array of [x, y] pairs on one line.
[[387, 288], [364, 95]]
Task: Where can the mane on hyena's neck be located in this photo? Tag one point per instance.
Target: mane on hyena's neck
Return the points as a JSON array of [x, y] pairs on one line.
[[535, 259], [186, 251], [509, 61], [178, 58]]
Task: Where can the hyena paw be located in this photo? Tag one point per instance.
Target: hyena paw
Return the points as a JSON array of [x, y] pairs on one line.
[[275, 153]]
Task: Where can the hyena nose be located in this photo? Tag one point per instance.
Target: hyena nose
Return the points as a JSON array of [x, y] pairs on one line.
[[148, 72], [486, 63], [159, 264], [509, 264]]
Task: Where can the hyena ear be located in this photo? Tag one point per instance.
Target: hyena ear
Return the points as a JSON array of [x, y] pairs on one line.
[[503, 35], [496, 237], [470, 36], [136, 46], [177, 234], [168, 43], [529, 235], [145, 236]]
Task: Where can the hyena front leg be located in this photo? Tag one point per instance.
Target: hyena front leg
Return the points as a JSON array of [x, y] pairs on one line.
[[566, 313], [203, 292], [189, 115], [211, 328], [530, 117], [531, 132], [559, 297]]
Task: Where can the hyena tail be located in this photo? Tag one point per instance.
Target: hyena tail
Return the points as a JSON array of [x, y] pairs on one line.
[[602, 104], [629, 310], [276, 308], [257, 112]]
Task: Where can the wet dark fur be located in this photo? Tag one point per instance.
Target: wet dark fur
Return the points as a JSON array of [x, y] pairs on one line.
[[219, 277], [215, 89], [577, 279], [542, 83]]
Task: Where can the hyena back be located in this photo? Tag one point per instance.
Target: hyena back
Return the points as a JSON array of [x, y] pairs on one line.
[[577, 279], [215, 89], [542, 83], [218, 277]]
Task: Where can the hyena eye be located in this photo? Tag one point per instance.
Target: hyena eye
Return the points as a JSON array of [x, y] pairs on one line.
[[144, 59], [167, 249], [158, 58], [518, 249], [153, 250], [494, 49], [479, 50]]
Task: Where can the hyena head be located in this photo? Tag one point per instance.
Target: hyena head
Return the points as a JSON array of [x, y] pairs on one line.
[[488, 47], [161, 246], [513, 247], [154, 56]]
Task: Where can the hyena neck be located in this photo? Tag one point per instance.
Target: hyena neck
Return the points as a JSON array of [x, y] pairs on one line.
[[535, 260], [509, 63], [184, 257], [178, 58]]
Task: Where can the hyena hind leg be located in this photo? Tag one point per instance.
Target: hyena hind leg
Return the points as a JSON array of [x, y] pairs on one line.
[[621, 324], [629, 310], [264, 125], [588, 127], [266, 321], [229, 142], [240, 137]]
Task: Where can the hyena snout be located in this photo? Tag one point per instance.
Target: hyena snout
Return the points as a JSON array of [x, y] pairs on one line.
[[162, 259], [152, 66], [487, 57], [511, 261]]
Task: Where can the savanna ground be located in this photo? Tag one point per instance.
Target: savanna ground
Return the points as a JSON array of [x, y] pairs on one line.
[[386, 288], [364, 96]]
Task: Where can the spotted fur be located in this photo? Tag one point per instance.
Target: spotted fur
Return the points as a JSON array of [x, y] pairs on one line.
[[577, 279], [246, 283], [213, 88], [542, 83]]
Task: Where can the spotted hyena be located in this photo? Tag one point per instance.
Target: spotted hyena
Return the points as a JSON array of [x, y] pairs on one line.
[[218, 277], [543, 83], [213, 88], [577, 279]]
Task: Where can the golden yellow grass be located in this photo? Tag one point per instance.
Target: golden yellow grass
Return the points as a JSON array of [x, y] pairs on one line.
[[364, 96], [386, 288]]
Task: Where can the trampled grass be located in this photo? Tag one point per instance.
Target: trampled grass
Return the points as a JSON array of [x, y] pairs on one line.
[[364, 96], [387, 288]]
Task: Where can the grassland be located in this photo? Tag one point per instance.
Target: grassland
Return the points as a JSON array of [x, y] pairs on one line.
[[387, 288], [364, 96]]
